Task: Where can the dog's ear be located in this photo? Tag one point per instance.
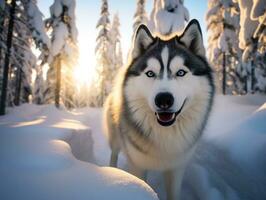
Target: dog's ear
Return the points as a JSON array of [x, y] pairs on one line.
[[192, 38], [142, 40]]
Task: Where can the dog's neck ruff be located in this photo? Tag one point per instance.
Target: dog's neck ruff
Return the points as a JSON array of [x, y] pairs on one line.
[[185, 131]]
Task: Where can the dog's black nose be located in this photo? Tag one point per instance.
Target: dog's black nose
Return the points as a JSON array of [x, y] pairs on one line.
[[164, 100]]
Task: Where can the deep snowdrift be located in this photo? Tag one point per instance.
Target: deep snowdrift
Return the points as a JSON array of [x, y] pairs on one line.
[[37, 163], [37, 144], [230, 161]]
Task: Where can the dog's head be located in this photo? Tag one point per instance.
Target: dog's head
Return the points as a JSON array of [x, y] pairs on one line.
[[166, 77]]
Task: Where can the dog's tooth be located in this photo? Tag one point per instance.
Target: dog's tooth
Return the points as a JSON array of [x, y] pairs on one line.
[[173, 116]]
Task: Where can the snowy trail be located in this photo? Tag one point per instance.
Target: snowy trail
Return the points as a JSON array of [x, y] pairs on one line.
[[42, 152], [215, 172], [37, 144]]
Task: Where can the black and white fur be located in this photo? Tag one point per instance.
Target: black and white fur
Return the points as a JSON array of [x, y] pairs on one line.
[[160, 136]]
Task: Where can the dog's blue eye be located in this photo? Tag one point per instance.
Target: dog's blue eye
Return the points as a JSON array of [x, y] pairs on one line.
[[181, 72], [150, 74]]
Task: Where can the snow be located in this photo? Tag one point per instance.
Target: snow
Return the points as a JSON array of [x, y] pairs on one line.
[[237, 162], [140, 16], [233, 31], [37, 24], [60, 36], [56, 9], [213, 10], [258, 9], [104, 52], [164, 22], [41, 149], [63, 32], [258, 13], [37, 163], [247, 28]]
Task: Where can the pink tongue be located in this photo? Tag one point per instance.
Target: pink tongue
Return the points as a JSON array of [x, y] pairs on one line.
[[165, 117]]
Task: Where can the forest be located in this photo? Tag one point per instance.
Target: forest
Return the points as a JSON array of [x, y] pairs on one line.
[[53, 142], [236, 50]]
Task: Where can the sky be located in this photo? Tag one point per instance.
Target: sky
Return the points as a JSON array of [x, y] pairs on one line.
[[88, 13]]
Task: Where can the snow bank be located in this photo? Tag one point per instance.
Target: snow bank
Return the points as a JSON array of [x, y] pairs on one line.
[[230, 160], [36, 145]]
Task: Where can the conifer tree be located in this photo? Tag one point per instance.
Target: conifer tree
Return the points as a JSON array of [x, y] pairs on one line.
[[28, 30], [7, 57], [115, 46], [103, 56], [140, 16], [251, 34], [63, 53]]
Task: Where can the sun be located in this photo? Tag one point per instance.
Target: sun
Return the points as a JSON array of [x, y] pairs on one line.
[[85, 70]]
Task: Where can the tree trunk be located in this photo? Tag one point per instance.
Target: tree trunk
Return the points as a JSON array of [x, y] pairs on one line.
[[7, 58], [2, 20], [252, 80], [224, 73], [58, 81], [18, 87]]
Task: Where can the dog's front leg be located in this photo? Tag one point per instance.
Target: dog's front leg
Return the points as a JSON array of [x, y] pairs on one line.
[[136, 171], [173, 180], [113, 158]]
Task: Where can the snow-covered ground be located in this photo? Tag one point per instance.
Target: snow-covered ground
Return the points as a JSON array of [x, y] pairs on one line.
[[36, 145], [50, 154]]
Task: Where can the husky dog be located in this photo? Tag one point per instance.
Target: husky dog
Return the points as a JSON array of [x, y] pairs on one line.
[[160, 103]]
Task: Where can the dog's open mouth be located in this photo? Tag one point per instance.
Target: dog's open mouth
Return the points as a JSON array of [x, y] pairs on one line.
[[168, 118]]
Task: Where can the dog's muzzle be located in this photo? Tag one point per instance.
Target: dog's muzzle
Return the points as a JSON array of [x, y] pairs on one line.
[[167, 118]]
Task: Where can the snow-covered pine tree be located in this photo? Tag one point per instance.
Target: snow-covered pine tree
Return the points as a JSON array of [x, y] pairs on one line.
[[223, 51], [3, 33], [103, 56], [42, 42], [29, 30], [140, 16], [26, 31], [228, 44], [258, 13], [214, 21], [250, 27], [247, 43], [68, 82], [23, 58], [115, 46], [168, 16], [7, 55], [114, 56], [38, 86], [3, 28], [63, 52], [37, 27]]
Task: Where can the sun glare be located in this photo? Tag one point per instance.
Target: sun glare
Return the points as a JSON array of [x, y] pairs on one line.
[[86, 67]]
